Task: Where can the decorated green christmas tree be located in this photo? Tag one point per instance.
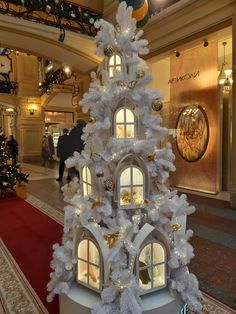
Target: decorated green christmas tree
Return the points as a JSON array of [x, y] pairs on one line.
[[10, 172]]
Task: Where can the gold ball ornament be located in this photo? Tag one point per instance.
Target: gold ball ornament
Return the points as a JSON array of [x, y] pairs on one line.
[[100, 174], [109, 51], [157, 104], [108, 185]]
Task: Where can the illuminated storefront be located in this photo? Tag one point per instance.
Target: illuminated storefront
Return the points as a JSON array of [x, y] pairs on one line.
[[197, 109]]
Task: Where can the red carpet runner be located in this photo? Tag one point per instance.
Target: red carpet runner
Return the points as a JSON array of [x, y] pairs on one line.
[[29, 236]]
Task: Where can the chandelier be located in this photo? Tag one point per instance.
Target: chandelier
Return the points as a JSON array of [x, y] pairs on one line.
[[225, 76]]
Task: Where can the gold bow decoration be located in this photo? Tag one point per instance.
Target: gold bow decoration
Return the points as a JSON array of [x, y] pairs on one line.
[[111, 238], [175, 227], [96, 203], [151, 157], [145, 201]]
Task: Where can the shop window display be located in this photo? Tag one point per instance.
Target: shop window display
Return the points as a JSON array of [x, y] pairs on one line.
[[151, 266], [88, 266], [86, 180], [131, 187], [192, 133], [124, 123]]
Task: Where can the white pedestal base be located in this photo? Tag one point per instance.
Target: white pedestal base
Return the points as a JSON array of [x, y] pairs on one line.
[[82, 300]]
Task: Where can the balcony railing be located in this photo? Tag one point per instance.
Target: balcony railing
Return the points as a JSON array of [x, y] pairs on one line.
[[8, 87], [53, 78], [58, 13]]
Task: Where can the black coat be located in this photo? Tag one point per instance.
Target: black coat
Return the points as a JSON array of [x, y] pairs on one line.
[[63, 147], [76, 143]]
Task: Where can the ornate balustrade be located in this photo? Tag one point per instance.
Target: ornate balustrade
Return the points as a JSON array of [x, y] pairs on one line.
[[8, 87], [58, 13], [54, 77]]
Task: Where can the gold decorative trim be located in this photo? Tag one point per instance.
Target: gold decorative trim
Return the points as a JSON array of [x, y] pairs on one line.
[[48, 210], [213, 306], [16, 294]]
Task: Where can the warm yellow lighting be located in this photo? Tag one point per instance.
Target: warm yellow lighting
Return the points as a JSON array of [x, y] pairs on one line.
[[67, 69], [228, 72], [225, 76], [9, 109], [221, 81], [32, 108], [49, 67], [88, 265]]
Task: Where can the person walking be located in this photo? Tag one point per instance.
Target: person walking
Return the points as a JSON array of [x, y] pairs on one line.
[[63, 152], [50, 148], [76, 144], [44, 150], [12, 147]]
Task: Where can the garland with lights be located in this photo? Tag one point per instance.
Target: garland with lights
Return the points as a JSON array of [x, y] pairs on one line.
[[10, 172], [8, 87], [58, 13], [53, 77]]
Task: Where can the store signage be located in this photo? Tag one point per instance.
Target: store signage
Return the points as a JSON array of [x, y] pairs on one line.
[[184, 77]]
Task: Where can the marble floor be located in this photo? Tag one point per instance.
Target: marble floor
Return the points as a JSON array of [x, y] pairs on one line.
[[213, 223]]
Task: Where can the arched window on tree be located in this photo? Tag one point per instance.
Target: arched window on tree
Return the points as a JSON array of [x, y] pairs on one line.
[[151, 267], [124, 123], [114, 64], [131, 187], [86, 180], [89, 264]]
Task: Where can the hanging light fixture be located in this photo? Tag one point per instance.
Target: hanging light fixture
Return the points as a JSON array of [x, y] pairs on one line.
[[225, 76]]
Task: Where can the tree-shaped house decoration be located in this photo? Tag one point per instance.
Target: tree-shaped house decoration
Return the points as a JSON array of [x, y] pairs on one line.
[[125, 248]]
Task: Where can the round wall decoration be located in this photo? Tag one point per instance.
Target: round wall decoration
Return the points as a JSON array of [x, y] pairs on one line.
[[192, 132]]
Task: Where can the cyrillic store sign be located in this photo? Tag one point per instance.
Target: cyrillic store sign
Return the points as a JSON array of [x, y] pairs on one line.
[[184, 77]]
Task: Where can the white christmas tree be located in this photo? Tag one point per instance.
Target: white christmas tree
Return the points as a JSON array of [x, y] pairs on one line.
[[124, 230]]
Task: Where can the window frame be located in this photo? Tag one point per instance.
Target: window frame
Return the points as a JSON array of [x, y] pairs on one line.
[[115, 65], [132, 205], [151, 266], [84, 182], [89, 264], [124, 123]]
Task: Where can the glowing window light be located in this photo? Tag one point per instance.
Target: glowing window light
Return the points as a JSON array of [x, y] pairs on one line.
[[114, 64], [152, 267], [131, 187], [86, 181], [88, 264], [124, 123]]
